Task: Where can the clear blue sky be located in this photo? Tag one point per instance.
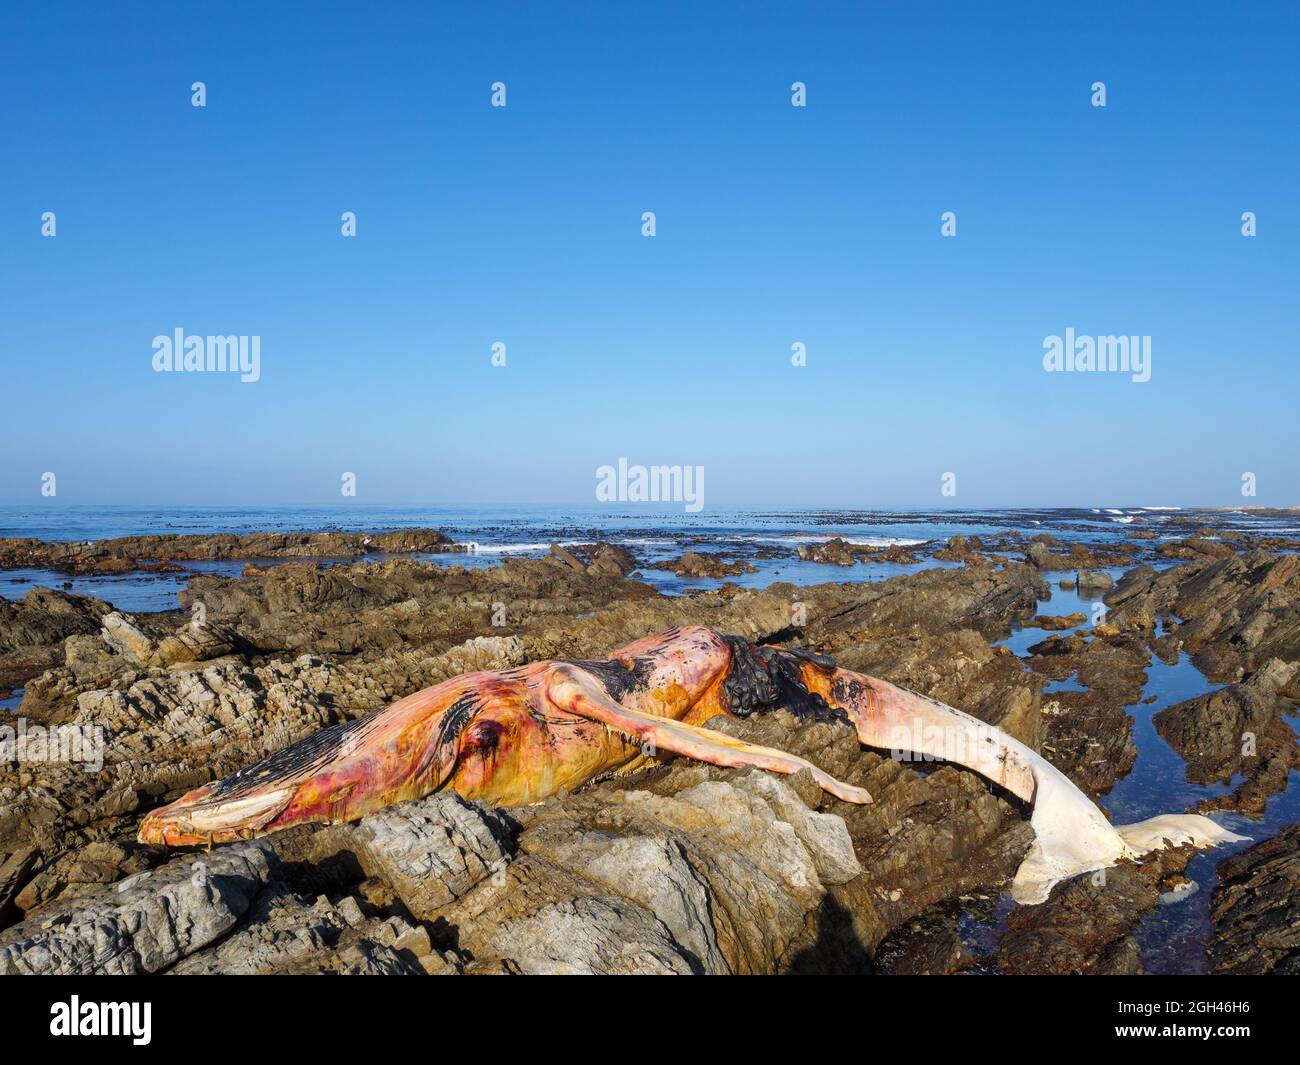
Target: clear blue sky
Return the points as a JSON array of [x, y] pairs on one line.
[[775, 225]]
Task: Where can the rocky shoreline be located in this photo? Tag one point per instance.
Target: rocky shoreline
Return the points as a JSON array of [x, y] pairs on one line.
[[151, 553], [680, 868]]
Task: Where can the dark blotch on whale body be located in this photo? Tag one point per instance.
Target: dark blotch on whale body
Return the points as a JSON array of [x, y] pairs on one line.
[[762, 679]]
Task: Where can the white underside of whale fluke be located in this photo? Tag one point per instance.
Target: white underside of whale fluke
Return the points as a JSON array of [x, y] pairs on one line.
[[1073, 837]]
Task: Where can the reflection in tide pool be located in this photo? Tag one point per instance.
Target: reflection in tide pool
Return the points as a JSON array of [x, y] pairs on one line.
[[1157, 783], [136, 593], [1070, 684]]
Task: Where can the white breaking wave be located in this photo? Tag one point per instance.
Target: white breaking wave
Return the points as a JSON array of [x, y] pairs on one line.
[[510, 549], [861, 541], [883, 541], [516, 549]]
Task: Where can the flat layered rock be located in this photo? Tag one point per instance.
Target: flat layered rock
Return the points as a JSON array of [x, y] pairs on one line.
[[124, 553]]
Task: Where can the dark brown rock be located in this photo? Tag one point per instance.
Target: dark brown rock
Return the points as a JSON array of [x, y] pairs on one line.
[[1255, 909], [128, 552], [1086, 925], [706, 564]]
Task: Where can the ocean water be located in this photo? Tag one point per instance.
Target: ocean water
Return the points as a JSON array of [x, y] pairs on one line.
[[513, 528]]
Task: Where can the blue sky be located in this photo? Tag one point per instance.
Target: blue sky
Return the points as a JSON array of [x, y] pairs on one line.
[[775, 225]]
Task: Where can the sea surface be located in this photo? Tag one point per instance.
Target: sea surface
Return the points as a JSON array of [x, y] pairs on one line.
[[1172, 938]]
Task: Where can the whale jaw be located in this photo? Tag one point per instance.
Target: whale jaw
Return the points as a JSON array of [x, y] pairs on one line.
[[195, 819]]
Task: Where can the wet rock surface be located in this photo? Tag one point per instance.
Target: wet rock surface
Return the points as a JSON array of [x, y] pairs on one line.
[[1086, 925], [1256, 909], [1088, 733], [840, 552], [1058, 622], [707, 564]]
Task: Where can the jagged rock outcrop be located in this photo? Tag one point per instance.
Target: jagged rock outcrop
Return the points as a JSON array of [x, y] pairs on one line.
[[595, 560], [1236, 612], [969, 549], [840, 552], [1255, 909], [1048, 553], [987, 599], [1195, 547], [433, 851], [286, 932], [32, 630], [384, 606]]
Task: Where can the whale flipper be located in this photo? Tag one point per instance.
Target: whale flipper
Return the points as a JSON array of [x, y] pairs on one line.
[[575, 690]]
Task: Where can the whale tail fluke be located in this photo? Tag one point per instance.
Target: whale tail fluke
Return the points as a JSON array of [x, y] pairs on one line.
[[1072, 835]]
